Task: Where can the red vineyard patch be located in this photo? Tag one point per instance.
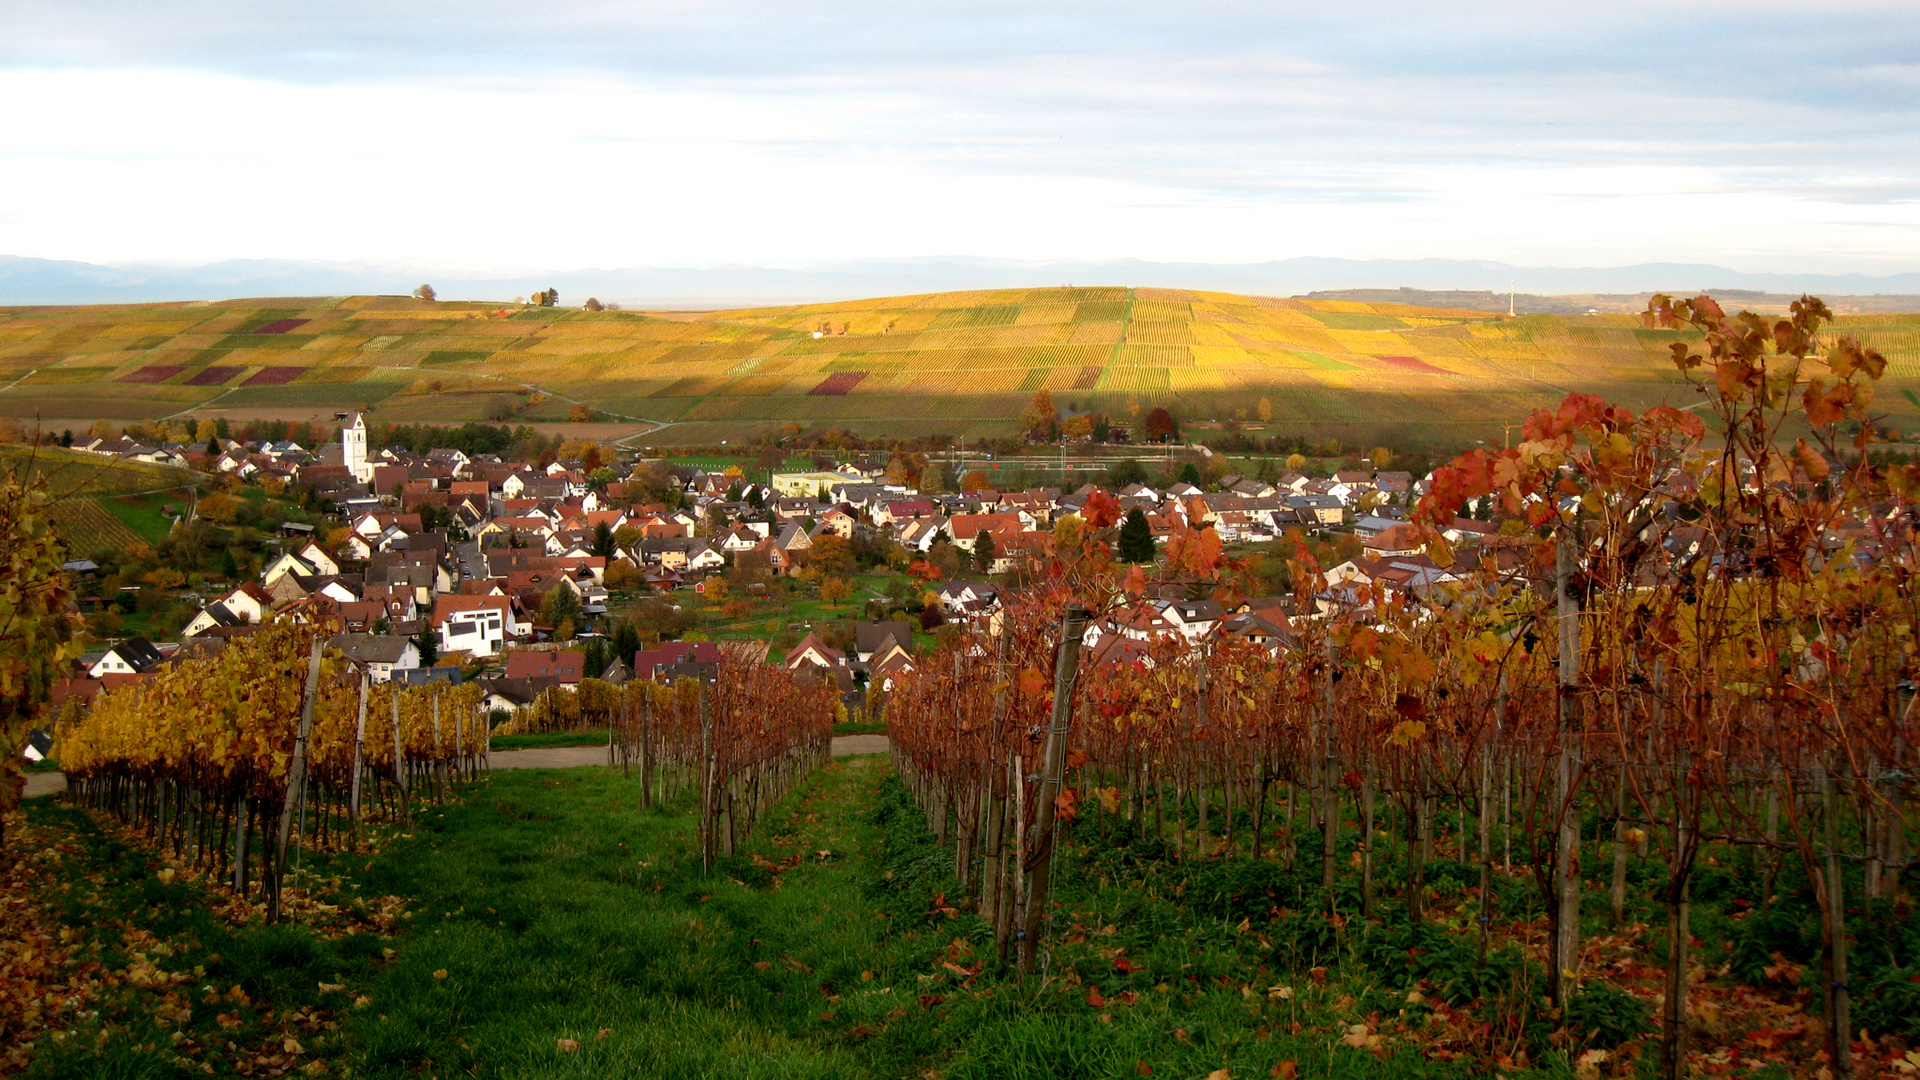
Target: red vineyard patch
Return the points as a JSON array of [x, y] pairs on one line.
[[213, 376], [1412, 363], [276, 375], [838, 383], [156, 374]]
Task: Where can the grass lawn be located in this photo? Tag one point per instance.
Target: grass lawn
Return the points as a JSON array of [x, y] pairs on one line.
[[545, 910], [548, 739], [141, 513]]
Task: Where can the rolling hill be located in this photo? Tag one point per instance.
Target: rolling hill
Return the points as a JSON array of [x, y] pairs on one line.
[[961, 363]]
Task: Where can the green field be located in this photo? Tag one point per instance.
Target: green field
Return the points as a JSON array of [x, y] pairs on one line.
[[959, 363], [101, 503]]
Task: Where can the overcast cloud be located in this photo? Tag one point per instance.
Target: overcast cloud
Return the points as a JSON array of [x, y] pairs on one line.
[[575, 134]]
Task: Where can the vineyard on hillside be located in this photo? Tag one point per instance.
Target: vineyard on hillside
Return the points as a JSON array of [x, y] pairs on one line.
[[975, 354], [1677, 664]]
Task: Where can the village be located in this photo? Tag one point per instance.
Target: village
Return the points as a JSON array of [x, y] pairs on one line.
[[449, 566]]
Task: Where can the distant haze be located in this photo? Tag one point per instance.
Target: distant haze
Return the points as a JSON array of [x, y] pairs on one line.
[[40, 281]]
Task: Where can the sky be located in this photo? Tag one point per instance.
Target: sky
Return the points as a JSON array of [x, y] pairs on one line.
[[574, 133]]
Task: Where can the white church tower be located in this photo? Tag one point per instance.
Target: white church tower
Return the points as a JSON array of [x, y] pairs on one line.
[[353, 449]]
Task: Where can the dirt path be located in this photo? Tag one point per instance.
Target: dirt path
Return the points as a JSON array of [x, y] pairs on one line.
[[568, 757], [560, 757]]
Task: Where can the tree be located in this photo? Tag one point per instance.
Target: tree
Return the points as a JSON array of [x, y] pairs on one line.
[[1189, 474], [593, 304], [1126, 474], [36, 634], [975, 480], [1266, 410], [717, 522], [547, 297], [1040, 419], [831, 554], [936, 479], [560, 605], [580, 414], [1161, 426], [428, 642], [1136, 538], [932, 618], [833, 590], [1077, 427], [424, 292], [984, 551], [500, 407], [224, 509], [626, 641], [1296, 462], [603, 542], [594, 661]]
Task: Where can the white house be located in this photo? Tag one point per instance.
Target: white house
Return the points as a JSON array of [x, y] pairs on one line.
[[134, 655], [380, 654], [473, 624]]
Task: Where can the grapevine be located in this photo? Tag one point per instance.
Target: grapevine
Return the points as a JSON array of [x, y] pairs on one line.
[[1674, 636]]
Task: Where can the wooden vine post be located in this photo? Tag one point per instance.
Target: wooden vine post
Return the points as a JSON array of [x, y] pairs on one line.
[[399, 758], [706, 782], [296, 781], [1039, 851], [1840, 1018], [359, 752], [1566, 864], [439, 762]]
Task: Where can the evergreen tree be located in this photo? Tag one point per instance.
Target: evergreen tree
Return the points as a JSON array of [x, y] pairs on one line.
[[594, 662], [626, 640], [1190, 474], [429, 647], [1136, 538], [984, 552], [229, 566]]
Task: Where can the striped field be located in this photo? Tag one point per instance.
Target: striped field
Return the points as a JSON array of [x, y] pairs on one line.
[[961, 363]]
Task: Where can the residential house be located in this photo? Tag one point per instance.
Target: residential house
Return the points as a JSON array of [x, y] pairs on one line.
[[134, 656], [479, 625], [566, 666], [380, 655]]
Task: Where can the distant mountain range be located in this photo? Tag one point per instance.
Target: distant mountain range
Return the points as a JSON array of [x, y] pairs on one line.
[[48, 281]]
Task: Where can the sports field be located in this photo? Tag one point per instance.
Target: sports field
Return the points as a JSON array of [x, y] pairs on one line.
[[961, 363]]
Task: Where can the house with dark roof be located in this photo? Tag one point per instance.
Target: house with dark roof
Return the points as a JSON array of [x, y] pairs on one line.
[[134, 656], [871, 639], [380, 655]]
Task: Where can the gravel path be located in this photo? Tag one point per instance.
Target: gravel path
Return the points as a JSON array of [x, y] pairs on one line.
[[44, 783]]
